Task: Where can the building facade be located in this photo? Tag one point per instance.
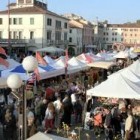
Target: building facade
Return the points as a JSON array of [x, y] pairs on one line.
[[29, 23], [75, 38], [86, 26], [127, 34]]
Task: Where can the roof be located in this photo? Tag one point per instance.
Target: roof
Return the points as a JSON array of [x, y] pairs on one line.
[[129, 25], [71, 25], [31, 10], [12, 4]]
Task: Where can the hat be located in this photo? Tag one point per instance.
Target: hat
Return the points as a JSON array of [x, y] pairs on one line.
[[30, 115]]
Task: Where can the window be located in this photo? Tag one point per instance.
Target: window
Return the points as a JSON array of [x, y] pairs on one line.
[[70, 39], [49, 35], [131, 30], [14, 21], [112, 39], [31, 21], [115, 33], [130, 34], [106, 39], [57, 35], [65, 36], [58, 24], [70, 31], [10, 21], [112, 33], [0, 20], [104, 33], [135, 34], [15, 35], [121, 39], [49, 21], [10, 34], [65, 25], [0, 34], [122, 34], [20, 35], [20, 21], [115, 39], [31, 35]]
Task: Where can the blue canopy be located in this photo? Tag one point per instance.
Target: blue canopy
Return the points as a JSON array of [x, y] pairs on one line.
[[48, 68], [19, 69]]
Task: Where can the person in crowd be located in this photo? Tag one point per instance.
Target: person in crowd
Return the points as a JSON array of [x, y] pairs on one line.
[[98, 122], [89, 103], [9, 125], [43, 108], [66, 118], [2, 99], [38, 103], [115, 119], [78, 112], [73, 101], [49, 117], [123, 116], [129, 133], [58, 111], [29, 97], [31, 127], [108, 125]]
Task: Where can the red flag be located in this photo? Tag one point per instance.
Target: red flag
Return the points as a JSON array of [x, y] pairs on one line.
[[36, 71], [2, 51], [40, 59], [4, 62]]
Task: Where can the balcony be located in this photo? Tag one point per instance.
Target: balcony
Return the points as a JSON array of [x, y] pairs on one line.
[[13, 42], [58, 28], [50, 42], [59, 42]]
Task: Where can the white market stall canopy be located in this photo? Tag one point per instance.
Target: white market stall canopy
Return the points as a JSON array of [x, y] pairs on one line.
[[122, 54], [103, 64], [116, 86], [131, 72], [42, 136], [74, 65], [12, 64], [49, 60]]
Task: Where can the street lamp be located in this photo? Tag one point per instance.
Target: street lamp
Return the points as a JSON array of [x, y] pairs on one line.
[[29, 63], [14, 82]]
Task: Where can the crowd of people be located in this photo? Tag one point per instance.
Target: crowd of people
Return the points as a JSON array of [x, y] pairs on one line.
[[63, 100]]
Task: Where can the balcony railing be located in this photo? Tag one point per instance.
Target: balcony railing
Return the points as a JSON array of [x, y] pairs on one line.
[[12, 41], [56, 42]]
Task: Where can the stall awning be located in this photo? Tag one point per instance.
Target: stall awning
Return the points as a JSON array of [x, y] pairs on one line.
[[103, 64]]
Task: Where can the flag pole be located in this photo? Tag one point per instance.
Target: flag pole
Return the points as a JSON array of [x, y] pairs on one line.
[[9, 47], [66, 64]]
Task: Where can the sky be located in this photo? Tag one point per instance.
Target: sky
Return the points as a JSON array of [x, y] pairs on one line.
[[115, 11]]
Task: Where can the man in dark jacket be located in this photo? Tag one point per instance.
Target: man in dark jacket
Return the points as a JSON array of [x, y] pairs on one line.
[[108, 126]]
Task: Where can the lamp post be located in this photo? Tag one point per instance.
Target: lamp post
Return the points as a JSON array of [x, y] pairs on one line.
[[14, 82]]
